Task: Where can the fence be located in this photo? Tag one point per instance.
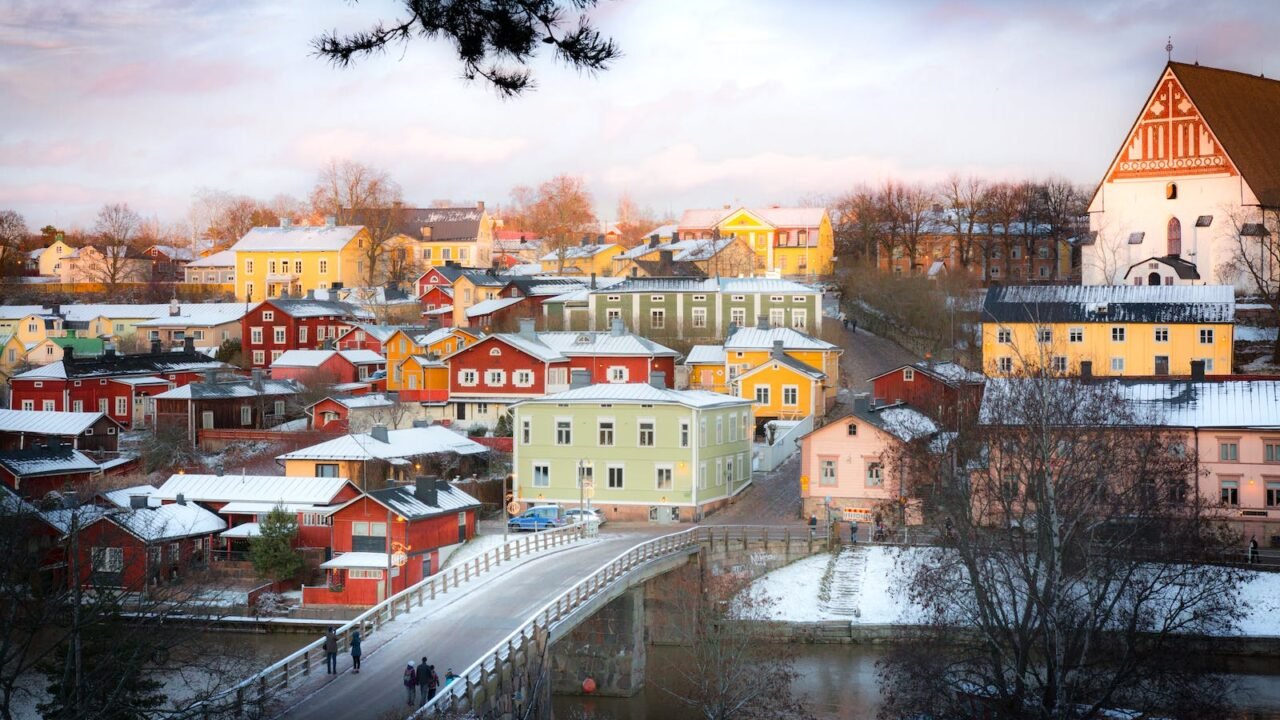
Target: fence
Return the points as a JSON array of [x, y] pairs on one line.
[[283, 675], [766, 458]]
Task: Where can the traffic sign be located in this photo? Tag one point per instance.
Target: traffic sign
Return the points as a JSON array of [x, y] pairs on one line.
[[513, 508], [399, 558]]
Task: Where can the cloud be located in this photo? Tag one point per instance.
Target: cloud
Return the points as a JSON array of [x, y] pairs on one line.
[[26, 153], [414, 143], [173, 77]]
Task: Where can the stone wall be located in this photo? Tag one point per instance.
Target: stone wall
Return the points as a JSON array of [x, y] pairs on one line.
[[607, 647]]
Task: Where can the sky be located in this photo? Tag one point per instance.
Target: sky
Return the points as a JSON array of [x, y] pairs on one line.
[[712, 102]]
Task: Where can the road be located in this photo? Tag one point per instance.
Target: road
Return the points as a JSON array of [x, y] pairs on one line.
[[455, 634]]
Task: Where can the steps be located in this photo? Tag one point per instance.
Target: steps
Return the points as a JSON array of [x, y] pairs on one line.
[[845, 589]]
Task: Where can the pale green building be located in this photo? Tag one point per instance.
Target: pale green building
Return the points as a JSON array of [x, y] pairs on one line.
[[649, 453]]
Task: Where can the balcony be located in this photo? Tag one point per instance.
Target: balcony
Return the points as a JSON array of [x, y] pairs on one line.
[[282, 277]]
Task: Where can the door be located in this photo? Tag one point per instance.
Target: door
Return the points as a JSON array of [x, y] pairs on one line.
[[382, 586], [1162, 364], [462, 411], [462, 527], [206, 419]]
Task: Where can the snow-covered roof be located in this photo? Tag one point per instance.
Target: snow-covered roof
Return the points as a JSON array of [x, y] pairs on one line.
[[314, 307], [681, 250], [769, 285], [61, 519], [404, 443], [533, 347], [17, 312], [32, 462], [1110, 303], [169, 522], [433, 337], [783, 217], [242, 507], [247, 530], [948, 372], [371, 400], [47, 423], [524, 269], [199, 315], [93, 311], [380, 332], [316, 358], [230, 389], [140, 381], [486, 307], [349, 560], [174, 252], [750, 338], [640, 393], [404, 502], [906, 423], [252, 488], [572, 344], [297, 238], [577, 252], [705, 354], [350, 387], [442, 310], [1215, 403], [222, 258], [120, 498]]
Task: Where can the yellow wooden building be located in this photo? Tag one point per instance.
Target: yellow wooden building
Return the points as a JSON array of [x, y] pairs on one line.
[[401, 345], [49, 261], [783, 389], [789, 241], [1119, 330], [292, 259], [583, 259], [750, 347]]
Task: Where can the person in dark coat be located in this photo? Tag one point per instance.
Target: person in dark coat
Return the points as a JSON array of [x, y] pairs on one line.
[[330, 652], [1253, 549], [410, 684], [425, 673], [813, 525], [355, 651]]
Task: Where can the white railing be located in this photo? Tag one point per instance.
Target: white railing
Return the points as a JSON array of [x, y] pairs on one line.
[[290, 671], [490, 664], [768, 457]]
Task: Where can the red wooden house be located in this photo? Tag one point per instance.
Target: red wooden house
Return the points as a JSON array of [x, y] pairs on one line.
[[411, 523], [334, 414], [436, 297], [90, 431], [117, 385], [946, 392], [36, 472], [364, 336], [327, 367], [438, 276], [221, 403], [278, 325], [146, 546]]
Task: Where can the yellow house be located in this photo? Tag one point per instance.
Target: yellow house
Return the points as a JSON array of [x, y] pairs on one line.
[[402, 345], [789, 241], [272, 261], [749, 347], [50, 260], [424, 380], [783, 389], [706, 366], [1120, 330], [471, 287], [436, 235], [28, 323], [583, 259]]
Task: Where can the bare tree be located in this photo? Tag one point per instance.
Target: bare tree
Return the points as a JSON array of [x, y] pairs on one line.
[[857, 223], [1255, 257], [13, 235], [494, 41], [966, 199], [1073, 526], [355, 193], [1110, 256], [114, 258], [559, 211], [633, 222]]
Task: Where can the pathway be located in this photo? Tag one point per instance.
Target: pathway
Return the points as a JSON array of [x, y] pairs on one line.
[[845, 582]]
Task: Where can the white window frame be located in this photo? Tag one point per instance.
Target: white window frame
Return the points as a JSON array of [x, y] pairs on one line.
[[246, 415], [612, 429], [565, 439], [652, 424], [522, 378], [545, 468], [526, 431], [699, 317], [619, 471], [618, 373], [659, 471], [1117, 364], [122, 405], [765, 391], [795, 392], [468, 377], [495, 377]]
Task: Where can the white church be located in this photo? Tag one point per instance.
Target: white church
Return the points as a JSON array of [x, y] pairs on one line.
[[1196, 175]]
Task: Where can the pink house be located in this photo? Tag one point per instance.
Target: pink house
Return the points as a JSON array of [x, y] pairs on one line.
[[327, 367], [851, 460]]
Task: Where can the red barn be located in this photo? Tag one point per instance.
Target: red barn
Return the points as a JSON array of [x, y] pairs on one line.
[[38, 471], [90, 431], [412, 522], [947, 392], [146, 546], [278, 325]]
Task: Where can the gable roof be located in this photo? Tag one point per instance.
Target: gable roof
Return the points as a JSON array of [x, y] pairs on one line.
[[577, 252], [493, 305], [750, 338], [120, 496], [34, 462], [705, 355], [1122, 303], [199, 315], [446, 223], [402, 500], [783, 217], [168, 522], [354, 402], [948, 373], [899, 420], [222, 258], [787, 362], [124, 365], [297, 238], [571, 344], [49, 423], [316, 358], [230, 389], [1184, 269], [404, 443], [313, 307], [677, 268], [253, 488]]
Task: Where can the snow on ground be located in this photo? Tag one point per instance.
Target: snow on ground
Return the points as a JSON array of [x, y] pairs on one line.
[[464, 552], [794, 591]]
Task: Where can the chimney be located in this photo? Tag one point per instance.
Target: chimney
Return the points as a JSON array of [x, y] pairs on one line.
[[69, 500], [1197, 371], [762, 322], [210, 377], [664, 261], [586, 240], [285, 223], [616, 328], [217, 470], [379, 433], [733, 328], [527, 329], [109, 351], [422, 423], [861, 403], [311, 294], [675, 237], [175, 309], [68, 354], [189, 343], [599, 239], [579, 378], [658, 379], [593, 281], [155, 347], [256, 377], [181, 499], [424, 490], [330, 221], [1086, 369], [777, 351], [137, 502], [480, 205], [653, 240]]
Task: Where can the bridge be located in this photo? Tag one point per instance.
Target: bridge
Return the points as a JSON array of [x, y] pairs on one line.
[[497, 623]]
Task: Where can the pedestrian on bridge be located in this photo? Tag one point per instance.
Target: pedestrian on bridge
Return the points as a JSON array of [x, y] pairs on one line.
[[427, 680], [355, 651], [330, 652], [410, 684]]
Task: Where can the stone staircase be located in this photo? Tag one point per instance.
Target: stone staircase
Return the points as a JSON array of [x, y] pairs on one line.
[[845, 582]]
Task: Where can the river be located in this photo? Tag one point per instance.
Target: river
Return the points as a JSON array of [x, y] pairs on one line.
[[838, 682]]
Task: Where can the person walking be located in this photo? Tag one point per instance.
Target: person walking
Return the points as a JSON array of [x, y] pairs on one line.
[[410, 684], [449, 677], [813, 525], [853, 532], [433, 681], [424, 682], [1253, 550], [330, 652], [355, 651]]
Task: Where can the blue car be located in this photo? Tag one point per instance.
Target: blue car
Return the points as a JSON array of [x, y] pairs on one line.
[[542, 517]]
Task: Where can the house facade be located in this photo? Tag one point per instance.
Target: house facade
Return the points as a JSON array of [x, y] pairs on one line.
[[88, 431], [727, 257], [34, 472], [145, 547], [327, 367], [209, 325], [217, 403], [382, 456], [273, 327], [946, 392], [585, 258], [790, 241], [648, 453], [214, 269], [290, 260], [436, 235]]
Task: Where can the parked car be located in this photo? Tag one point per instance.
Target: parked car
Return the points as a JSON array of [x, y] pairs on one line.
[[542, 517], [593, 515]]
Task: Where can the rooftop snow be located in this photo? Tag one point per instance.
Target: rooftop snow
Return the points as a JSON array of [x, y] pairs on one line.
[[705, 354], [241, 507], [1111, 303], [17, 312], [640, 393], [750, 338], [85, 313], [404, 502], [46, 461], [493, 305], [120, 498], [247, 530], [577, 252], [222, 258], [230, 389], [297, 238], [312, 307], [199, 315], [169, 522], [349, 560], [571, 344], [316, 358], [252, 488], [47, 423], [405, 443]]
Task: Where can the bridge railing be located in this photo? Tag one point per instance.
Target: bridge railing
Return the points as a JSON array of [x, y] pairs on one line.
[[458, 694], [292, 670]]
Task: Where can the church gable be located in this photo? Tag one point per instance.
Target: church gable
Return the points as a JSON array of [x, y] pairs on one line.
[[1170, 139]]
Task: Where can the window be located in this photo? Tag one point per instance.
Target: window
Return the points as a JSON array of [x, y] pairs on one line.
[[48, 406], [268, 316], [702, 432], [107, 559], [31, 404], [102, 405], [78, 406], [495, 377], [259, 357], [558, 376], [541, 475], [646, 433], [523, 378], [368, 537], [1206, 336], [526, 431], [617, 374], [326, 470], [684, 433], [279, 337], [827, 471], [1075, 335], [612, 314], [1044, 336], [1004, 336], [122, 405], [246, 415], [324, 266], [248, 268], [605, 427], [799, 320], [1117, 334], [719, 431], [1271, 451], [1117, 364], [790, 395], [1060, 364], [728, 470], [275, 355], [278, 407], [564, 432], [482, 408], [908, 375], [1162, 334], [738, 316], [255, 335], [1229, 450], [699, 317], [664, 478], [1005, 364], [1229, 492], [776, 317], [1208, 364], [658, 319], [615, 477], [468, 377], [1273, 491], [614, 298], [656, 298], [586, 476], [762, 394], [875, 474]]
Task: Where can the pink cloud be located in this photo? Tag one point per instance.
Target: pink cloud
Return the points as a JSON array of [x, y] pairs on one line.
[[174, 77], [26, 153]]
